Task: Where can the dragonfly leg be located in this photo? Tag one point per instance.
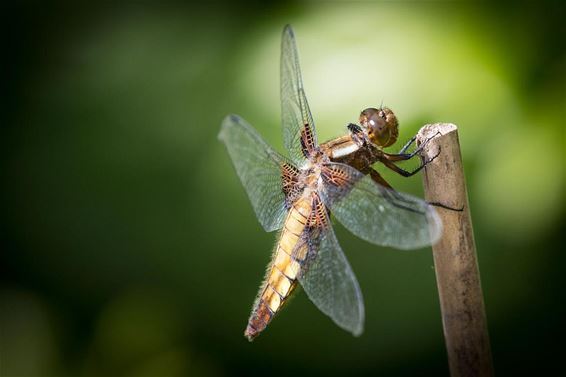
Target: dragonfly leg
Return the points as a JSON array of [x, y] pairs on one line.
[[438, 204], [377, 178], [407, 145], [402, 156], [389, 192], [390, 163]]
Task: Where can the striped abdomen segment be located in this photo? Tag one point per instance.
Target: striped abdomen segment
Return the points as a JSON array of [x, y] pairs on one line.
[[283, 270]]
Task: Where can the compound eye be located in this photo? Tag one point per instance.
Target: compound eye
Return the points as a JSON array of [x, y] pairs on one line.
[[381, 125], [370, 118]]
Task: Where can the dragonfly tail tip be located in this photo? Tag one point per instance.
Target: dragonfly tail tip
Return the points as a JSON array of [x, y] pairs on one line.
[[251, 333]]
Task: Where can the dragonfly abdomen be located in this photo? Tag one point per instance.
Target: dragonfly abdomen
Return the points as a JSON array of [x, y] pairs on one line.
[[283, 271]]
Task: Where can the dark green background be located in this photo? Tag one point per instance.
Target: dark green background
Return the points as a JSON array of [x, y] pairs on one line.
[[129, 246]]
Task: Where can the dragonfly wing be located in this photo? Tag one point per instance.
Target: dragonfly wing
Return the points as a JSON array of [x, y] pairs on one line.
[[330, 283], [259, 168], [295, 112], [376, 214]]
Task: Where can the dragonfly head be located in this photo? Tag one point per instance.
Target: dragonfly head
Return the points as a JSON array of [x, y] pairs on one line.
[[380, 125]]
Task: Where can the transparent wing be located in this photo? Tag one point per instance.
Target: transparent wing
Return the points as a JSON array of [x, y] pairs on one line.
[[295, 112], [259, 169], [330, 283], [377, 214]]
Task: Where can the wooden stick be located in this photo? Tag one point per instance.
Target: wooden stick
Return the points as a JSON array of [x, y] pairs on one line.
[[455, 261]]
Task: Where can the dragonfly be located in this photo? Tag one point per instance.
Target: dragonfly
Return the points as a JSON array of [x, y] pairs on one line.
[[296, 196]]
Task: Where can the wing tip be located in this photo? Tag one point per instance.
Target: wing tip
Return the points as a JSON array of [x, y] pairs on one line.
[[232, 118], [434, 225], [358, 332], [227, 122], [359, 329], [288, 29]]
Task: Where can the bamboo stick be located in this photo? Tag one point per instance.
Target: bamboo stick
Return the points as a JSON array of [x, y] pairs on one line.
[[455, 261]]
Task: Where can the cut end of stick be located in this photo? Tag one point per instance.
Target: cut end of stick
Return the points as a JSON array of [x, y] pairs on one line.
[[430, 130]]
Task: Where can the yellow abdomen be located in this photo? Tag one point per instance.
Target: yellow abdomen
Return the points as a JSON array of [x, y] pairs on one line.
[[282, 272]]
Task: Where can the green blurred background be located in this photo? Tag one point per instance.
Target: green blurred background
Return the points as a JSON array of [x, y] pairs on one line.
[[129, 246]]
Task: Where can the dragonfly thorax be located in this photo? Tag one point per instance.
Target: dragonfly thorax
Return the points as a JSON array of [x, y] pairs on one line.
[[311, 176]]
